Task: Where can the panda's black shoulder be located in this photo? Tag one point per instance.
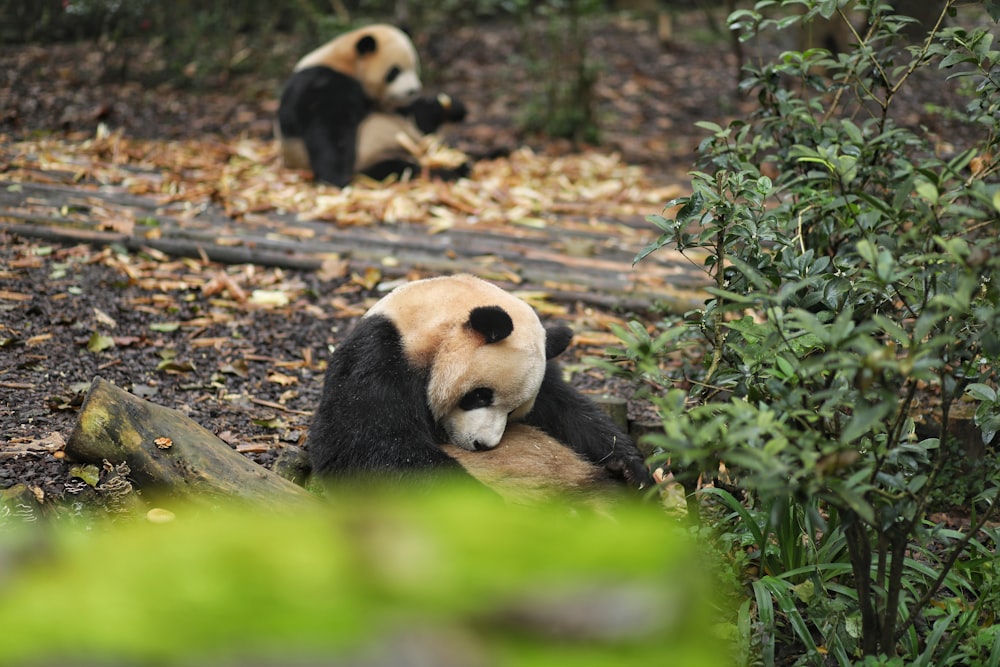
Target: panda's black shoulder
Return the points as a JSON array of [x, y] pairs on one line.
[[373, 417], [322, 80], [320, 92], [372, 345]]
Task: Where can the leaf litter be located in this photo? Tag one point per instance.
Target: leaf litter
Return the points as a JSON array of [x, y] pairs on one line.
[[183, 177]]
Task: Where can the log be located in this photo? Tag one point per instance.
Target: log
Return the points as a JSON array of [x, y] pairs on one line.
[[171, 455]]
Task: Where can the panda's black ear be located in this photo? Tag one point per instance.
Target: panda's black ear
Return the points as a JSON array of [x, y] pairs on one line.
[[366, 45], [557, 338], [492, 322]]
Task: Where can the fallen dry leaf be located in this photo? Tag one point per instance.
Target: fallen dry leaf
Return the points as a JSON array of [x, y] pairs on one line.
[[13, 296], [282, 379]]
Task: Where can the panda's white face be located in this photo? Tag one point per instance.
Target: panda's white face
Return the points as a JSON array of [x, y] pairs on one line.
[[381, 57], [483, 349], [479, 421], [387, 67], [402, 87]]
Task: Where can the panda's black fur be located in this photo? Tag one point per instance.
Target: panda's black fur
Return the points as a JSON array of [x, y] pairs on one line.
[[318, 103], [373, 417], [375, 420], [430, 112]]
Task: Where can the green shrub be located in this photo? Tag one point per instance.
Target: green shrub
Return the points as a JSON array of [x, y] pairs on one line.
[[852, 287], [562, 100]]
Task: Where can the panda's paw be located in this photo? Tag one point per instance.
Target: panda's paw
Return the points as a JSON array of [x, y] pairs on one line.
[[631, 467], [638, 475], [461, 171]]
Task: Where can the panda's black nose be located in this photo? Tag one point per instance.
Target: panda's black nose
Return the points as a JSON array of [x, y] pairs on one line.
[[480, 447]]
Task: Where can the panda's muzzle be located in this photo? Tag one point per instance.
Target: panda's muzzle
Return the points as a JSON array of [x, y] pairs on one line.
[[404, 88]]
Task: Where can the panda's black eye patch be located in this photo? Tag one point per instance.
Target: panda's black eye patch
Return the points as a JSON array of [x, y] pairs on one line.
[[477, 398], [393, 72]]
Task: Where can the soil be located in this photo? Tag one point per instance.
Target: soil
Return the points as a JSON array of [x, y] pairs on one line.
[[241, 349]]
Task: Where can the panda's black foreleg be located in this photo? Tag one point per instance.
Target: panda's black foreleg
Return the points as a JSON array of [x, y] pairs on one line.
[[372, 419], [573, 419], [332, 153]]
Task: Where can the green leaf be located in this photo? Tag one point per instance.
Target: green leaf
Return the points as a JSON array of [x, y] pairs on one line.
[[955, 58], [710, 126], [864, 419], [892, 329], [660, 222], [752, 331], [854, 500], [818, 160], [928, 191], [726, 295], [765, 612], [785, 367], [165, 327], [99, 343], [752, 274], [651, 248], [982, 392], [867, 251], [933, 639], [993, 9], [694, 206], [90, 474], [785, 596]]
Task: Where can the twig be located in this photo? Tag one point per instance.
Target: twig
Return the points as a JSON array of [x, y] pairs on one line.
[[279, 406]]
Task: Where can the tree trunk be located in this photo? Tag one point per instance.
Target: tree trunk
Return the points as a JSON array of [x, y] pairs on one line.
[[171, 455]]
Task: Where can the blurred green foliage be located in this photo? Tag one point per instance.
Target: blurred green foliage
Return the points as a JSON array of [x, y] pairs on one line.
[[456, 572]]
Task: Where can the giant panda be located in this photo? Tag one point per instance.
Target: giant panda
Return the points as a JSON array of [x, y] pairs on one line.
[[333, 110], [458, 361]]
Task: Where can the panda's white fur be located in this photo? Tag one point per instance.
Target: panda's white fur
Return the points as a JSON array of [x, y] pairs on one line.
[[379, 139], [433, 320], [386, 140], [458, 361], [529, 466]]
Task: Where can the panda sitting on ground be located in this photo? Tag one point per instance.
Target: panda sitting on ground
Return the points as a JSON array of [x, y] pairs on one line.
[[346, 101], [457, 361]]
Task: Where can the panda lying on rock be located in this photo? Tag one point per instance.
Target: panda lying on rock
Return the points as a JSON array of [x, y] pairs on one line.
[[347, 101], [453, 374]]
